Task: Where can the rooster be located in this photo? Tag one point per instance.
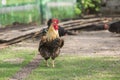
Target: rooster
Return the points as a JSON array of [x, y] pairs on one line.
[[114, 27], [50, 44]]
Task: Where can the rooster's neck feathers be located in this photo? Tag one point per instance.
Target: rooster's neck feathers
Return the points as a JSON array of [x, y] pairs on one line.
[[52, 33]]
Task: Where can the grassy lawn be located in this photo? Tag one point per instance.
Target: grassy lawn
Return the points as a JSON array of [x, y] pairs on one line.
[[79, 68], [33, 15], [63, 12], [8, 65], [22, 17], [70, 67], [9, 2]]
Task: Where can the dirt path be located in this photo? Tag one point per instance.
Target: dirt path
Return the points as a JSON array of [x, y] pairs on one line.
[[94, 43], [25, 71]]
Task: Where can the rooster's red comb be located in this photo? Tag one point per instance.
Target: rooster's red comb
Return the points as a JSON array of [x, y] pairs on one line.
[[55, 21]]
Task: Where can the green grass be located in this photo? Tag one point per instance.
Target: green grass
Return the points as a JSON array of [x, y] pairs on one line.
[[22, 17], [63, 12], [79, 68], [33, 15], [7, 69], [26, 16], [62, 0], [11, 2], [70, 67]]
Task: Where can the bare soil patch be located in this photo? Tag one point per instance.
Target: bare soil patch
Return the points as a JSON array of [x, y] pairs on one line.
[[92, 43]]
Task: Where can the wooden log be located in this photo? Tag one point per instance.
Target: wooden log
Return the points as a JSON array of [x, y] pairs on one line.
[[81, 26], [13, 34], [79, 21], [12, 37]]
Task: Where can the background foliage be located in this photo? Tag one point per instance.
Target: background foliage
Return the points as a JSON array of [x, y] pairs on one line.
[[87, 6], [34, 15]]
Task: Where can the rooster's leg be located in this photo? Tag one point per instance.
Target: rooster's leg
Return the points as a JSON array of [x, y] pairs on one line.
[[53, 63], [46, 59], [47, 63]]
